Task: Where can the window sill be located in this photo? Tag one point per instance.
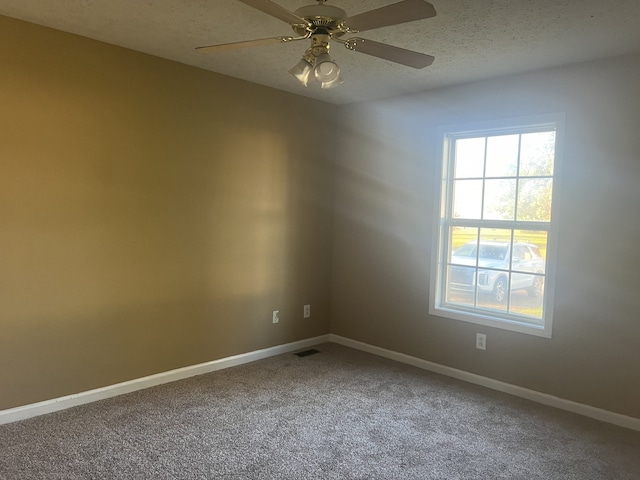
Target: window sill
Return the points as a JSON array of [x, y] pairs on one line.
[[487, 320]]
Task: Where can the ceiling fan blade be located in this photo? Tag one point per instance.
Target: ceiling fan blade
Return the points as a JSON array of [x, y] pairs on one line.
[[394, 14], [248, 43], [389, 52], [276, 11]]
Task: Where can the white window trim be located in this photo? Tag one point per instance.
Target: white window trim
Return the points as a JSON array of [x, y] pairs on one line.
[[437, 257]]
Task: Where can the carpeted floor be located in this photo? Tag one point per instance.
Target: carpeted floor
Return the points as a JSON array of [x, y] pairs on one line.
[[337, 414]]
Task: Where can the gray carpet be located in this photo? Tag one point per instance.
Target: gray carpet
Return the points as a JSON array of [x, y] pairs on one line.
[[338, 414]]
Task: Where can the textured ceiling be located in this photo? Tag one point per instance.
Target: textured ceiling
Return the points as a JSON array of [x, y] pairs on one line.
[[471, 39]]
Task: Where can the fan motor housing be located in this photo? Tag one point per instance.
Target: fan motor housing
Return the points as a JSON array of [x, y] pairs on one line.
[[322, 17]]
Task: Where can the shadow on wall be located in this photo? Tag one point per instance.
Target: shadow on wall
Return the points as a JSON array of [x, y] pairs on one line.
[[382, 230]]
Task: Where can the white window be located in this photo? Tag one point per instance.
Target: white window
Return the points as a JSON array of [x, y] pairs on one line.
[[496, 225]]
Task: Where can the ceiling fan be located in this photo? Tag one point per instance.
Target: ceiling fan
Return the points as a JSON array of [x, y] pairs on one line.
[[322, 23]]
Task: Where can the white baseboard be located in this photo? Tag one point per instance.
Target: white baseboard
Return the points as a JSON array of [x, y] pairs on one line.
[[557, 402], [62, 403]]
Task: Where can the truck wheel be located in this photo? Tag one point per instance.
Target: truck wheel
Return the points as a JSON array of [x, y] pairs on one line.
[[500, 290], [535, 290]]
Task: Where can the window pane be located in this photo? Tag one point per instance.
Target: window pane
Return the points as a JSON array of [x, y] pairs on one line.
[[537, 153], [493, 289], [469, 161], [461, 285], [502, 156], [536, 239], [463, 245], [499, 199], [527, 295], [497, 236], [467, 199], [526, 259], [534, 199]]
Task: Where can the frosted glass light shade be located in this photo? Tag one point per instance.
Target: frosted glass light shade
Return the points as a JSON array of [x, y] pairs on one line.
[[302, 71], [326, 70]]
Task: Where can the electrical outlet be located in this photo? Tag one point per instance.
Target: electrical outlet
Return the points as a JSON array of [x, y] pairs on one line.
[[481, 341], [307, 311], [276, 316]]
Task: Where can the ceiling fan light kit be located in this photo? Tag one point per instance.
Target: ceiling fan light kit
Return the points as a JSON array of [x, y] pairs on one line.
[[322, 23], [317, 66]]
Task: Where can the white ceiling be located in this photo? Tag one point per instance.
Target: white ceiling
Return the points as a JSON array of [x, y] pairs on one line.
[[471, 39]]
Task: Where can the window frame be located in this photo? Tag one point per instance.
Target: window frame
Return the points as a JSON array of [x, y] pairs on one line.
[[443, 204]]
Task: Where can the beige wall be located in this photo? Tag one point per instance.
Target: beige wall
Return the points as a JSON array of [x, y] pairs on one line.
[[152, 215], [383, 232]]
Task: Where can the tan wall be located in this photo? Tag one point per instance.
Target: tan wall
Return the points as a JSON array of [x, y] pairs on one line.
[[152, 215], [383, 232]]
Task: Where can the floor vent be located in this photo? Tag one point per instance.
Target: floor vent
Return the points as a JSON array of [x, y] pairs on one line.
[[306, 353]]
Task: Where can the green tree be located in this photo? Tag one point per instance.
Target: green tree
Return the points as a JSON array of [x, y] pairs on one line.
[[537, 153]]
